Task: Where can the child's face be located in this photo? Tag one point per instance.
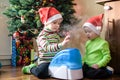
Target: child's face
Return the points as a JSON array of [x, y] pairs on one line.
[[90, 34], [55, 25]]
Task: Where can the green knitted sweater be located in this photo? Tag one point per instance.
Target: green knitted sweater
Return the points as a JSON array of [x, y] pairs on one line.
[[97, 52]]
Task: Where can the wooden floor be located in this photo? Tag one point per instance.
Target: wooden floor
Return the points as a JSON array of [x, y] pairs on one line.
[[14, 73]]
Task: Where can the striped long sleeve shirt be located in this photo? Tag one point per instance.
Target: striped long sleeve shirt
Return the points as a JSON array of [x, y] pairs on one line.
[[48, 44]]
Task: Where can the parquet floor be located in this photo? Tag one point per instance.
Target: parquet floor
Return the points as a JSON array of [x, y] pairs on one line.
[[14, 73]]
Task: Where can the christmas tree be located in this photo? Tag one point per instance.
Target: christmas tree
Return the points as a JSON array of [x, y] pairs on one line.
[[24, 15]]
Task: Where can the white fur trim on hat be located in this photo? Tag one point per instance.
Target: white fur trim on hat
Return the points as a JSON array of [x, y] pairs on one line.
[[96, 29], [57, 16]]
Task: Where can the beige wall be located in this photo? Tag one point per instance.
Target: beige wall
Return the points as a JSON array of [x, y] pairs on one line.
[[5, 41], [87, 8]]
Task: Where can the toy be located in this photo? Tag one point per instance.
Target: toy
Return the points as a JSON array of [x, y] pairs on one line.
[[67, 64]]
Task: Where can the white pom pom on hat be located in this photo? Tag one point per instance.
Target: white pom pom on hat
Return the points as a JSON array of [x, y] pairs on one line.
[[95, 23]]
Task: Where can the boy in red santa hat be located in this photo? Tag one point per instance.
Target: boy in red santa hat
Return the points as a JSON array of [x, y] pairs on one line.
[[97, 54], [48, 42]]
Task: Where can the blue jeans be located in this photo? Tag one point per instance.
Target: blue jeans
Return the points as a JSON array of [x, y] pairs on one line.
[[92, 73], [41, 71]]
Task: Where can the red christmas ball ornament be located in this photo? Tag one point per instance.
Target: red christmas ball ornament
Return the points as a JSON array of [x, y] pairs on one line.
[[51, 0], [16, 35]]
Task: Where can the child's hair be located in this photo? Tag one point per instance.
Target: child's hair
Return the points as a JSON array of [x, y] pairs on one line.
[[49, 14]]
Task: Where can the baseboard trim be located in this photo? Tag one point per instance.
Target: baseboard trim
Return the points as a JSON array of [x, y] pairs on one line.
[[5, 62], [5, 57]]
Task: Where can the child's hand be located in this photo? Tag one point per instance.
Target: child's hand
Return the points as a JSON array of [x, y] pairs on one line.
[[95, 66], [66, 40]]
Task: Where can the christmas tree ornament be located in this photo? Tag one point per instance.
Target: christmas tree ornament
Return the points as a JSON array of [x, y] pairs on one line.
[[22, 19], [26, 60], [19, 60], [17, 43], [16, 35], [51, 0], [44, 2]]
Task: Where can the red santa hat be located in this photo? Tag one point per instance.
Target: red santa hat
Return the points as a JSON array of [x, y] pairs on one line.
[[49, 14], [95, 23]]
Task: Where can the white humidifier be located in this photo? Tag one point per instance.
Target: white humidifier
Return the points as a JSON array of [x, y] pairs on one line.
[[67, 64]]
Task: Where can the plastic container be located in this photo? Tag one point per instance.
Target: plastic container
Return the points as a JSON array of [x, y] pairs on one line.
[[67, 64]]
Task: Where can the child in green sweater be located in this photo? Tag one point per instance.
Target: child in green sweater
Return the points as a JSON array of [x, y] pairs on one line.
[[97, 54], [48, 42]]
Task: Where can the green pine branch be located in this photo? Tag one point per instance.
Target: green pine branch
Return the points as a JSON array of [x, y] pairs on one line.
[[28, 10]]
